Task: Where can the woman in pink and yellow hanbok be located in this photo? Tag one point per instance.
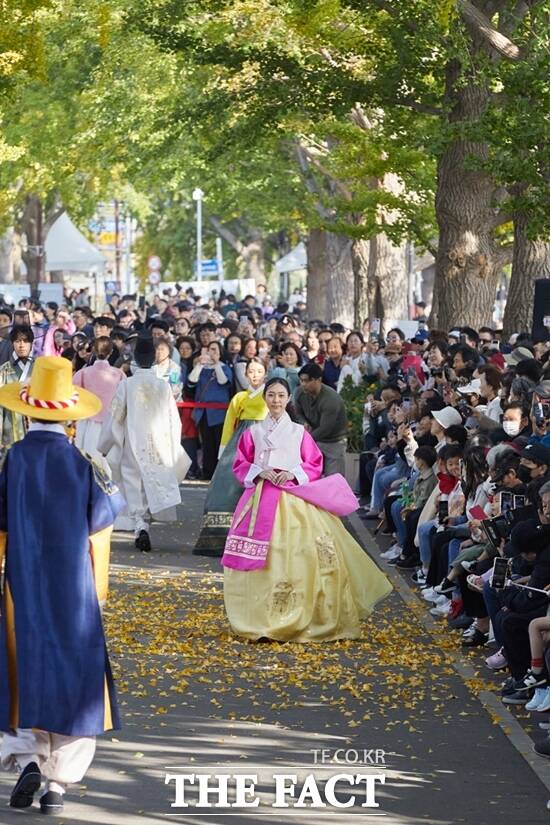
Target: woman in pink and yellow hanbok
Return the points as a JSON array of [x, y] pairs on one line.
[[292, 570]]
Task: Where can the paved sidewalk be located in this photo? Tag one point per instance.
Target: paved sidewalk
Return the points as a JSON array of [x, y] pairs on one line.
[[193, 696]]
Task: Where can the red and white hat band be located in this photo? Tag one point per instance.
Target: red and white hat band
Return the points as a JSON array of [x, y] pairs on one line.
[[47, 405]]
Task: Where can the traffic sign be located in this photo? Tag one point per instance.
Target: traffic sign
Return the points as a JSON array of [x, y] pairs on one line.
[[154, 263], [209, 267], [154, 278]]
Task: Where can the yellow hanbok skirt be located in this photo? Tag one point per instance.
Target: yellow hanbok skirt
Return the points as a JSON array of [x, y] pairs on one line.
[[318, 583]]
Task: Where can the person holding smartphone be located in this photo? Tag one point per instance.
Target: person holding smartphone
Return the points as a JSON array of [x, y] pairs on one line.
[[212, 381]]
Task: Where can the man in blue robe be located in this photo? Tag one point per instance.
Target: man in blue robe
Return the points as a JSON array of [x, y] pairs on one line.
[[56, 516]]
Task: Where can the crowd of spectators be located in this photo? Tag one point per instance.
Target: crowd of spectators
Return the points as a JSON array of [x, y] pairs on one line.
[[454, 429]]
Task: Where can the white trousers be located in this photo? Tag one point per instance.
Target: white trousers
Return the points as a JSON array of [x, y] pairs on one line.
[[61, 759], [135, 515]]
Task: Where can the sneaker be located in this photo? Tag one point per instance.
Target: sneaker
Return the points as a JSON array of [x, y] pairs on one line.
[[545, 702], [539, 695], [475, 583], [408, 562], [519, 697], [497, 661], [445, 587], [477, 639], [442, 600], [419, 577], [392, 552], [544, 725], [470, 630], [543, 748], [467, 565], [457, 606], [440, 609], [461, 622], [533, 680], [429, 594]]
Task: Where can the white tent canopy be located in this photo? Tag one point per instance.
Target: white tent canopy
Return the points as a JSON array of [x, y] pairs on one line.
[[67, 249], [296, 259]]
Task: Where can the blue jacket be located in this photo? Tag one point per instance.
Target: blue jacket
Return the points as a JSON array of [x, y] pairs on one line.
[[50, 505], [208, 389]]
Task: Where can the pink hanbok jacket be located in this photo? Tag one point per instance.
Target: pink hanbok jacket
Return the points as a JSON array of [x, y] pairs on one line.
[[49, 347], [286, 446], [102, 379]]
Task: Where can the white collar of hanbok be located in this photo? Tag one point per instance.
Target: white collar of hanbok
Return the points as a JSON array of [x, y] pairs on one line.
[[257, 391], [277, 442]]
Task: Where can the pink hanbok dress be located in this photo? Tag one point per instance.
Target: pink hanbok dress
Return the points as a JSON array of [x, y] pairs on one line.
[[292, 570]]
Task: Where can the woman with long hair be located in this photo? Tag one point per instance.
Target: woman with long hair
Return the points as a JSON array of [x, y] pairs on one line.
[[292, 570], [245, 408]]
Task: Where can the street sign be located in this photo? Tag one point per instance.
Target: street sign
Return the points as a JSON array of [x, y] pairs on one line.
[[209, 267], [154, 278], [154, 263]]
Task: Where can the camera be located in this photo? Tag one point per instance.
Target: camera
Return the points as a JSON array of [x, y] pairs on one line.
[[541, 412], [500, 528]]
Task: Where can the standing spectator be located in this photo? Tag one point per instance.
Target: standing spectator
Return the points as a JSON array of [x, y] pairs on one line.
[[166, 368], [212, 380], [62, 325], [18, 368], [289, 361], [103, 380], [321, 410]]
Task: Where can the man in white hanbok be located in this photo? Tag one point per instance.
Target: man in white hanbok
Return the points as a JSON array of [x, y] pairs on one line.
[[141, 440]]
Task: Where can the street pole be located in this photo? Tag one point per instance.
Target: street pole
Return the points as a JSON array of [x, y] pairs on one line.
[[219, 257], [117, 240], [198, 195]]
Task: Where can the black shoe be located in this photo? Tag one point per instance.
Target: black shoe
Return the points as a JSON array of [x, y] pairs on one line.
[[543, 748], [511, 686], [519, 697], [445, 588], [51, 803], [533, 680], [143, 542], [26, 786], [460, 622], [476, 640], [408, 563]]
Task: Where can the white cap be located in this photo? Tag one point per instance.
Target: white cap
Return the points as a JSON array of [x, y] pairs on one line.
[[473, 388], [447, 417]]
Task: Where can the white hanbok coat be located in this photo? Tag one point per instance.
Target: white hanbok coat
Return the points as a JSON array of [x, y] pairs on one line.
[[141, 439]]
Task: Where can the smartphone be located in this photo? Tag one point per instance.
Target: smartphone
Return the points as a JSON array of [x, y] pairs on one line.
[[141, 303], [406, 405], [375, 326], [519, 501], [506, 502], [478, 513], [443, 511], [500, 573], [243, 318], [542, 412], [411, 373]]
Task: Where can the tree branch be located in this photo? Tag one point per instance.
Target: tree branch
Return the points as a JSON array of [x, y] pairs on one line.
[[501, 218], [226, 234], [417, 106], [310, 184], [483, 26], [314, 161]]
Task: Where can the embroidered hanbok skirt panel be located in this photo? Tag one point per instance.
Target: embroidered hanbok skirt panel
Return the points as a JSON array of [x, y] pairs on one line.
[[223, 495], [318, 583]]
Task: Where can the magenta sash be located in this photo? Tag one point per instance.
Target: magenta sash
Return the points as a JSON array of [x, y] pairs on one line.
[[250, 533]]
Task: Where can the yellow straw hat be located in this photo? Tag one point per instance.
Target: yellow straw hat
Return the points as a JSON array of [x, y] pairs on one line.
[[51, 394]]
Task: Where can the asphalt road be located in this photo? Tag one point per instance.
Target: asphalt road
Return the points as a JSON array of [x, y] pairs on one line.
[[195, 700]]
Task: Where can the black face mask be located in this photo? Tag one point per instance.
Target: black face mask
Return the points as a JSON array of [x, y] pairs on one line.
[[524, 474]]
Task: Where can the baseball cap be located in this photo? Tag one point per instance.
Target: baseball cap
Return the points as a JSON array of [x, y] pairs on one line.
[[447, 417], [543, 389], [420, 336], [537, 453], [517, 355]]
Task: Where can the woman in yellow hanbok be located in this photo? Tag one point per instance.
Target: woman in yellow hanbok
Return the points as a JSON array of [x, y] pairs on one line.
[[244, 409], [292, 570]]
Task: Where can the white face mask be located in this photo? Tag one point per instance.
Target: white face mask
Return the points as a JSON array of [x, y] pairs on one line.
[[511, 427]]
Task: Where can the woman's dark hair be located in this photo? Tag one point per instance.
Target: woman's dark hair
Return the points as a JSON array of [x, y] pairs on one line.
[[529, 368], [426, 454], [399, 332], [493, 376], [219, 346], [441, 345], [103, 347], [232, 335], [476, 469], [357, 333], [289, 345], [276, 380], [458, 433], [246, 341], [255, 360], [450, 451]]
